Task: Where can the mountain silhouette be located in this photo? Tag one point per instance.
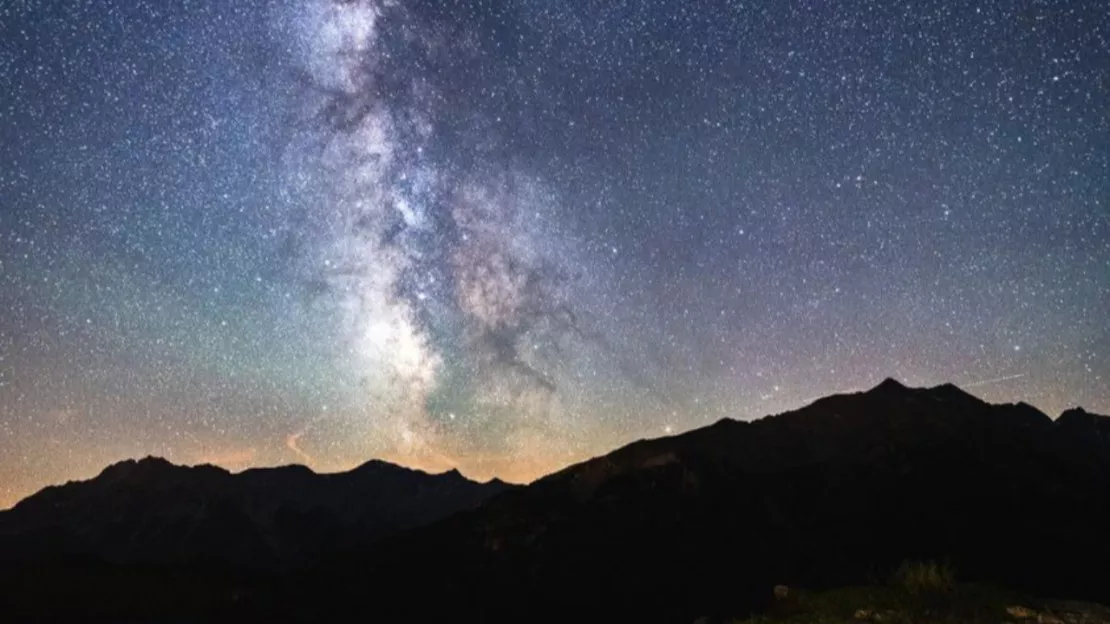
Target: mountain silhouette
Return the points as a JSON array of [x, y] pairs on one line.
[[674, 529], [151, 511], [707, 522]]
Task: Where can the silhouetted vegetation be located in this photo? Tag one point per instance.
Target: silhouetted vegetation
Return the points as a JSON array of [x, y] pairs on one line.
[[919, 601], [920, 578]]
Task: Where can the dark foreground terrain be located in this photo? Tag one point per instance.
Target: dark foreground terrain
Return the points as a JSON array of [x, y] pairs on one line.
[[898, 602], [700, 525]]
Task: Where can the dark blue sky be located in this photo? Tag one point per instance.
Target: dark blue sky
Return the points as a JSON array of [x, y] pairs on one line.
[[506, 235]]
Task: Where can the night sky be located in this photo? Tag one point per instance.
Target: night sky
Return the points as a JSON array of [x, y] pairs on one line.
[[507, 235]]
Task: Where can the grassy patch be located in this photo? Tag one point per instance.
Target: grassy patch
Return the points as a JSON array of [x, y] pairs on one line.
[[925, 577], [919, 593]]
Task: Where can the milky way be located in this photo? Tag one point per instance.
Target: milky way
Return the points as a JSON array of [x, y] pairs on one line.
[[442, 255], [506, 235]]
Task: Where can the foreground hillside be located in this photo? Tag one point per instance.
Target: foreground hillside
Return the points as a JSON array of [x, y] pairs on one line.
[[706, 523], [703, 524], [913, 603]]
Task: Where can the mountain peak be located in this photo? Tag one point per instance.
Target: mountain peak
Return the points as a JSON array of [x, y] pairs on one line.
[[382, 467], [1079, 419], [887, 385], [1076, 412], [153, 468], [145, 465], [951, 392]]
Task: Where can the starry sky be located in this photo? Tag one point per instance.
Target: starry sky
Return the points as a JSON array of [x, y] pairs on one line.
[[507, 235]]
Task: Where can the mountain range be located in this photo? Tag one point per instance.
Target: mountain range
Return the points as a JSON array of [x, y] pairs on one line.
[[153, 512], [698, 525]]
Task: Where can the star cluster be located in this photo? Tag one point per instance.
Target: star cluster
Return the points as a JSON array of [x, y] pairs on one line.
[[506, 235]]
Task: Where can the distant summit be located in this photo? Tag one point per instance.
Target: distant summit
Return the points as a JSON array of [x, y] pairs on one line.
[[155, 468], [887, 386], [148, 463], [152, 511], [1080, 420]]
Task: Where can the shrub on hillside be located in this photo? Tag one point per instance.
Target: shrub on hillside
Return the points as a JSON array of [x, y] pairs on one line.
[[925, 577]]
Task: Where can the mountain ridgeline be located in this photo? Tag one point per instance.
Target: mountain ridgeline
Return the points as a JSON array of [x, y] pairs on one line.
[[153, 512], [668, 530]]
